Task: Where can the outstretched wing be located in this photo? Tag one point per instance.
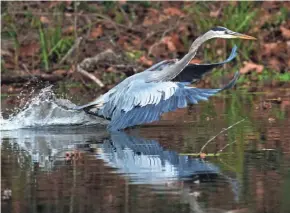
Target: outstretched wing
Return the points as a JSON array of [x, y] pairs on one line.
[[146, 102], [191, 73], [194, 72]]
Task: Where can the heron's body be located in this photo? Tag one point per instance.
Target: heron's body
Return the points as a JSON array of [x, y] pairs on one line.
[[164, 87]]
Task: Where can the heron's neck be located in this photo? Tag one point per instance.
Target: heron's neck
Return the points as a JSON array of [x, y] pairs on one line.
[[172, 71], [192, 51]]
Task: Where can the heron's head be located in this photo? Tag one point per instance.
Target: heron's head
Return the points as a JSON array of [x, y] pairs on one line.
[[222, 32]]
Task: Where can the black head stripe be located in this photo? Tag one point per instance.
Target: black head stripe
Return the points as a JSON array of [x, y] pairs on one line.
[[219, 29]]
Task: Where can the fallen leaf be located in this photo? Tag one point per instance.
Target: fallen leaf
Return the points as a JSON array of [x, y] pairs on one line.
[[271, 120], [152, 17], [285, 32], [274, 48], [183, 29], [275, 64], [158, 49], [172, 11], [145, 61], [60, 72], [250, 66], [44, 20], [270, 5], [30, 49], [176, 41], [8, 65], [195, 61], [269, 48], [111, 69], [97, 32], [215, 13], [169, 43], [69, 30]]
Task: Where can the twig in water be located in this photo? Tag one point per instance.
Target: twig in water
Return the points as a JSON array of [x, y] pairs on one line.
[[222, 149], [219, 134]]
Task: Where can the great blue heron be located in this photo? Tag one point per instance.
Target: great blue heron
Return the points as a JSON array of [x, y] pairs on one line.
[[164, 87]]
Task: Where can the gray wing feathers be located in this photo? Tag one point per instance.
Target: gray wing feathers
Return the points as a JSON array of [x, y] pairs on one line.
[[147, 104], [190, 73]]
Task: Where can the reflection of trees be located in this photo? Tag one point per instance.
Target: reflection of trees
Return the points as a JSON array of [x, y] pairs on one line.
[[15, 170], [90, 185]]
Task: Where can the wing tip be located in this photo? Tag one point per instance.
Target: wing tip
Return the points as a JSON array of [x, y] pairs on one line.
[[232, 82], [233, 54]]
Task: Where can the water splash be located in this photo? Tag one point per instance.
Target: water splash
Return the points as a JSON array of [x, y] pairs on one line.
[[45, 110]]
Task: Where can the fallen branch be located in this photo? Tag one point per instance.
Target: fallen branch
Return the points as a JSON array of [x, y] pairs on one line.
[[219, 134], [30, 77], [90, 76], [90, 63]]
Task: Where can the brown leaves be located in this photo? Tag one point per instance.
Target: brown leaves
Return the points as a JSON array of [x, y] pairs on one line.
[[69, 30], [145, 61], [215, 13], [152, 17], [97, 32], [30, 49], [285, 32], [250, 66], [173, 43], [44, 20], [60, 72], [169, 43], [269, 48], [195, 61], [275, 64], [172, 11]]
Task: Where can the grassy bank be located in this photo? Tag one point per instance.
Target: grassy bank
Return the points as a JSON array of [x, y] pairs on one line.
[[38, 38]]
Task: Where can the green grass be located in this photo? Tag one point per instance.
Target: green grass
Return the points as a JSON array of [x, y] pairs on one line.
[[54, 45]]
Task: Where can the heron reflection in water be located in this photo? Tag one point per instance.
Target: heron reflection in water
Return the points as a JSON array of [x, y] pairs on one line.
[[143, 161], [164, 87]]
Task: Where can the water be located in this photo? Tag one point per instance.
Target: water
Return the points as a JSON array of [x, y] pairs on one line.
[[46, 110], [67, 162]]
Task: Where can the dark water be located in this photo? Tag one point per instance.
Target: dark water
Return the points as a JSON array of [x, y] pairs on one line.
[[156, 168]]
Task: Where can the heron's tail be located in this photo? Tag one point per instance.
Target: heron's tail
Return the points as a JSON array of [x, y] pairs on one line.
[[94, 104], [82, 107]]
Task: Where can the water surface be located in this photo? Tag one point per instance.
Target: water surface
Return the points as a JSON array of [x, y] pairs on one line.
[[54, 165]]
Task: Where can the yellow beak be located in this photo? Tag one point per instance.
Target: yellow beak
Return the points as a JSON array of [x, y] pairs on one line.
[[243, 36]]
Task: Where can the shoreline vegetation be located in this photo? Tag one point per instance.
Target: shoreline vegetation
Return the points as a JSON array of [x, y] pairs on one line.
[[91, 46]]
